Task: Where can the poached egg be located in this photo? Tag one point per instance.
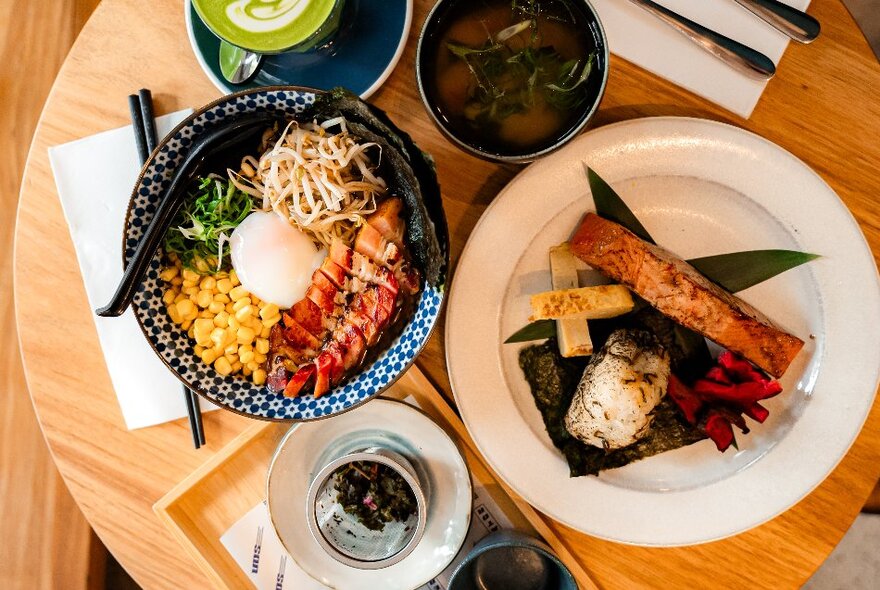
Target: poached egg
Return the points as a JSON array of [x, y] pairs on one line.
[[273, 259]]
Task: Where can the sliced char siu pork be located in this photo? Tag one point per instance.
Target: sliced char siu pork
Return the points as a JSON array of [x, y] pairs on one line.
[[355, 296]]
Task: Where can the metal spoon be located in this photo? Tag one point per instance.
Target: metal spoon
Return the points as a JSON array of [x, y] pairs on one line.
[[238, 65], [733, 53], [245, 129], [798, 25]]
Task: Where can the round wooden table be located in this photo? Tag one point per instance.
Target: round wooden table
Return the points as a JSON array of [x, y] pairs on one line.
[[822, 106]]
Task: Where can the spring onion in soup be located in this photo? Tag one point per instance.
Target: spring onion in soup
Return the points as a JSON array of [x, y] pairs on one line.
[[512, 74]]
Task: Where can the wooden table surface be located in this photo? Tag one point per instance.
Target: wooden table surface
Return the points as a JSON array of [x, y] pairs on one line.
[[822, 106]]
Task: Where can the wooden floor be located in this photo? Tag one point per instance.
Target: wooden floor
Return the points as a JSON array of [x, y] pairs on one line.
[[45, 542]]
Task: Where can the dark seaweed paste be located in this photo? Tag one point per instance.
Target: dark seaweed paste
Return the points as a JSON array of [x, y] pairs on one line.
[[374, 493], [553, 380]]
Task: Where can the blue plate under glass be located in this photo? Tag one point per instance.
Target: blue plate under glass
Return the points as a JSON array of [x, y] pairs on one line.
[[360, 58]]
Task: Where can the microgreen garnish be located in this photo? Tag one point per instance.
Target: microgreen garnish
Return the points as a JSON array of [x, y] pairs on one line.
[[202, 229]]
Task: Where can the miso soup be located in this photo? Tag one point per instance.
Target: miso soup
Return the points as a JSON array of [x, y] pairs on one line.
[[512, 77]]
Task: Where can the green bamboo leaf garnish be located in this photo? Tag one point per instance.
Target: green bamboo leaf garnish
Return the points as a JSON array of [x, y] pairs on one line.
[[610, 206], [738, 271], [540, 330]]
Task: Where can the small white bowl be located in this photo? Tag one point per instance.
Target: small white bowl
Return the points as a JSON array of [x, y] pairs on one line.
[[442, 474]]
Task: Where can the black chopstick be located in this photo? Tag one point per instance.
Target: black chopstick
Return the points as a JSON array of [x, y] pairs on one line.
[[195, 416], [142, 121], [149, 121], [137, 124]]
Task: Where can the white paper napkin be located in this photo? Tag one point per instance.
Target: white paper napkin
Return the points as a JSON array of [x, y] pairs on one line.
[[95, 200], [643, 39]]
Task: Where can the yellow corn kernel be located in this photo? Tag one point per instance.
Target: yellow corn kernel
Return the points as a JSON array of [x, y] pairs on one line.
[[199, 350], [269, 310], [241, 303], [185, 307], [187, 284], [193, 315], [257, 301], [222, 298], [202, 266], [262, 346], [204, 328], [245, 371], [259, 376], [236, 367], [243, 313], [208, 356], [230, 338], [231, 357], [169, 273], [190, 331], [221, 320], [252, 365], [233, 276], [216, 307], [246, 356], [271, 321], [264, 333], [187, 323], [194, 290], [204, 298], [177, 281], [243, 348], [218, 337], [224, 285], [169, 296], [190, 275], [179, 297], [206, 314], [245, 335], [208, 284], [174, 314], [223, 366], [234, 323], [229, 308], [259, 358], [238, 293]]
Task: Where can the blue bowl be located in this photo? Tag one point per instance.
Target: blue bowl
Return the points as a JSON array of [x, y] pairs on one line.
[[510, 560], [171, 343]]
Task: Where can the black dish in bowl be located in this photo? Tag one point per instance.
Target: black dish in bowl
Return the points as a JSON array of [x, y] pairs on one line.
[[512, 81]]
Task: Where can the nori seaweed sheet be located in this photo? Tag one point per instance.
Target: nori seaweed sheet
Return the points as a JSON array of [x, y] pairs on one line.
[[411, 172], [553, 380]]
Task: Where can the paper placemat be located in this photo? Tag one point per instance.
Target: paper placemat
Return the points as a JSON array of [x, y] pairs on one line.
[[95, 200], [643, 39]]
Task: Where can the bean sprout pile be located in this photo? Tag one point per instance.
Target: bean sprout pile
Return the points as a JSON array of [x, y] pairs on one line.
[[324, 183]]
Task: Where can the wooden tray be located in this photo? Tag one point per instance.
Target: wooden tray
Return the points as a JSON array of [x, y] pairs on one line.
[[203, 506]]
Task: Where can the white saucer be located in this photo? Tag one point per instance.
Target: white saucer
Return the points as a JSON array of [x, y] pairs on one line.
[[309, 446]]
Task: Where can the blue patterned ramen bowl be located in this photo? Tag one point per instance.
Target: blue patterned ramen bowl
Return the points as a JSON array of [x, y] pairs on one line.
[[171, 342]]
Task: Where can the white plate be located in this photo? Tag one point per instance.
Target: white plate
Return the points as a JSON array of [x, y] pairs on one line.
[[307, 447], [700, 188]]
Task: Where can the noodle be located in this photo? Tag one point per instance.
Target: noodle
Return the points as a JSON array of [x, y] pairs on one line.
[[323, 183]]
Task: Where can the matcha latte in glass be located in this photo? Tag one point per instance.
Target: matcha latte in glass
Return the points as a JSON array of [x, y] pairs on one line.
[[272, 26]]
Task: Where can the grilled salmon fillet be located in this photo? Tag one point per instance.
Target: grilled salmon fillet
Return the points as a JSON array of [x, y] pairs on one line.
[[679, 291]]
